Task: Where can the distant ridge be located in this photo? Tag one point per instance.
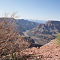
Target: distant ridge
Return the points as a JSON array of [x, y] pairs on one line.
[[43, 33]]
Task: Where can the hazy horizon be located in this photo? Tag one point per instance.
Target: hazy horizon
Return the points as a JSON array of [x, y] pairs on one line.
[[32, 9]]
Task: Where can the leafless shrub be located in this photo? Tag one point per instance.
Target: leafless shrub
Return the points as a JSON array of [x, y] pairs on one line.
[[10, 40]]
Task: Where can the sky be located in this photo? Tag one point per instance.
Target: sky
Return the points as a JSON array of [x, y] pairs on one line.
[[32, 9]]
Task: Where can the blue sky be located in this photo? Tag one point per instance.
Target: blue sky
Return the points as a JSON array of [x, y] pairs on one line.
[[32, 9]]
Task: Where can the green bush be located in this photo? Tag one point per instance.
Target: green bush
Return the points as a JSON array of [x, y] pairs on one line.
[[4, 53], [24, 57], [58, 38]]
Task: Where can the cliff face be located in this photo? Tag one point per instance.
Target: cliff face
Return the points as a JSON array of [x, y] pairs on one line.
[[45, 32], [24, 25], [51, 27]]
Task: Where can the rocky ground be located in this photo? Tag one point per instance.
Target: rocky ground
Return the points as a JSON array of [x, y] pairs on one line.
[[50, 51]]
